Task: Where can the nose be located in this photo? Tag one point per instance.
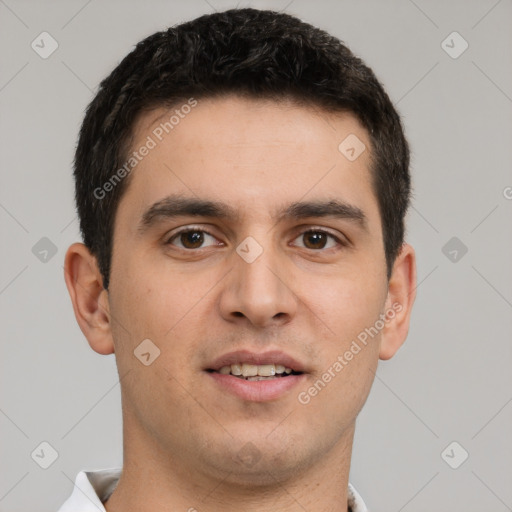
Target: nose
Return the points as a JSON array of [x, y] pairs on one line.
[[259, 292]]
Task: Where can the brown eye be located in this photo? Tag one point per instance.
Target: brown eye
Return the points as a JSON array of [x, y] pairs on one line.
[[318, 239], [190, 239], [315, 240]]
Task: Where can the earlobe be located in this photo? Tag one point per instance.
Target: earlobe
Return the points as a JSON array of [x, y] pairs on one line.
[[399, 302], [89, 298]]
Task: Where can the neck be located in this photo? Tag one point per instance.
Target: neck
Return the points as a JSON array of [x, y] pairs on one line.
[[157, 479]]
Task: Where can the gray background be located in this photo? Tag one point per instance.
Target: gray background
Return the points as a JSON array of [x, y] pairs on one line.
[[451, 381]]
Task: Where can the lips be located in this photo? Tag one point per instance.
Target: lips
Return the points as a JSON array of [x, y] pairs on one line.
[[256, 377], [241, 357]]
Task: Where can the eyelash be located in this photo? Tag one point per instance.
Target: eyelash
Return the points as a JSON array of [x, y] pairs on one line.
[[194, 229]]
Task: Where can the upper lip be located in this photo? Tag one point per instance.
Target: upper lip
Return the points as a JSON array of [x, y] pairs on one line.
[[257, 358]]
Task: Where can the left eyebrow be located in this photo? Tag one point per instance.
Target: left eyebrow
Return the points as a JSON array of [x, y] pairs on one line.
[[333, 208], [179, 206]]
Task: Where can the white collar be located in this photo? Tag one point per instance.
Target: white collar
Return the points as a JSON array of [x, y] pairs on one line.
[[93, 488]]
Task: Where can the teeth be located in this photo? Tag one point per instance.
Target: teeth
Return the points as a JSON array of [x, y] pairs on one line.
[[252, 370], [249, 370], [236, 369], [266, 370]]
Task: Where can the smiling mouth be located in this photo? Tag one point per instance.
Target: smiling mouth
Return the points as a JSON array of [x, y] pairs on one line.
[[255, 372]]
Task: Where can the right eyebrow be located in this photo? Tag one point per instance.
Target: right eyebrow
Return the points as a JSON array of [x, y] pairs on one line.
[[178, 206]]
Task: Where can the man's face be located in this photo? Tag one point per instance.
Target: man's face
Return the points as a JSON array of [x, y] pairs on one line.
[[249, 281]]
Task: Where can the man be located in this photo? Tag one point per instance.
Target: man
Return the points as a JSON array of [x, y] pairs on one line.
[[241, 181]]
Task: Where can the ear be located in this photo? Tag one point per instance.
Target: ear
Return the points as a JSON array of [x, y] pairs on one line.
[[89, 298], [399, 302]]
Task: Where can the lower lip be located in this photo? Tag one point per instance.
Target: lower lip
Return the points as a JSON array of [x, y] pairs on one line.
[[257, 390]]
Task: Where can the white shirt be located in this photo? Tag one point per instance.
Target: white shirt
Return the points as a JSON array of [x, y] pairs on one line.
[[93, 488]]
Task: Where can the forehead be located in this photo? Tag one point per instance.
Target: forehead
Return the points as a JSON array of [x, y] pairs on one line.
[[236, 120], [251, 153]]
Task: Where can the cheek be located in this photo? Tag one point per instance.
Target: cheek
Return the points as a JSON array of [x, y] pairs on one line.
[[136, 317], [160, 305], [346, 306], [141, 296], [338, 391], [349, 346]]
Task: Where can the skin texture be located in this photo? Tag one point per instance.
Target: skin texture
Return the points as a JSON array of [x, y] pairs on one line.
[[186, 439]]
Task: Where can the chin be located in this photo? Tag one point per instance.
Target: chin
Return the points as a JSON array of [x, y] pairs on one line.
[[265, 471], [260, 460]]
